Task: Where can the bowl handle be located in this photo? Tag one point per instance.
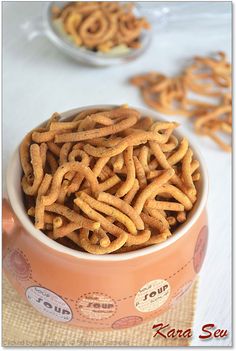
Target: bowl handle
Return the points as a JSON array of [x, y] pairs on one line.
[[9, 223]]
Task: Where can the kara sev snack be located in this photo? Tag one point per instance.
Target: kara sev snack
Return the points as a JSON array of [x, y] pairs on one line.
[[100, 26], [114, 193], [209, 79]]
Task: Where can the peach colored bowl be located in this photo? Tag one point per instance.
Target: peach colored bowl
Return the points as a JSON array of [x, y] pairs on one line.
[[112, 291]]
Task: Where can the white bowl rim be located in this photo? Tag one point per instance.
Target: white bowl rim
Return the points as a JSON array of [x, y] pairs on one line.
[[21, 214]]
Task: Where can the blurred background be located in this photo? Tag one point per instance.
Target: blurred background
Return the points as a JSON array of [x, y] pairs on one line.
[[39, 79]]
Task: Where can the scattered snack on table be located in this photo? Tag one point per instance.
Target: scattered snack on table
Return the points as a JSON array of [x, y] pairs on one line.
[[108, 181], [209, 79], [108, 27]]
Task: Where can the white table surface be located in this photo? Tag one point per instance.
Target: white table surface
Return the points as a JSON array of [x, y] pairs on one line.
[[39, 80]]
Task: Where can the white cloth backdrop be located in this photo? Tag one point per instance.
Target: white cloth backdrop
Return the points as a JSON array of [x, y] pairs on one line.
[[38, 80]]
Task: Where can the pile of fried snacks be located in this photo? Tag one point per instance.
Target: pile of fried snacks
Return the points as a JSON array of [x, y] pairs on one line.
[[100, 26], [208, 78], [108, 181]]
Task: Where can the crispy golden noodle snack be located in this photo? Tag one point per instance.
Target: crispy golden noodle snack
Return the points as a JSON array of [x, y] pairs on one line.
[[130, 118], [140, 173], [135, 139], [37, 164], [124, 190], [100, 26], [72, 216], [58, 177], [109, 211], [122, 206], [208, 77], [39, 207], [151, 189], [130, 168], [43, 153]]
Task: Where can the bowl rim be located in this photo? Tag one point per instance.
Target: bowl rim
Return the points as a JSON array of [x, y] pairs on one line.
[[25, 222]]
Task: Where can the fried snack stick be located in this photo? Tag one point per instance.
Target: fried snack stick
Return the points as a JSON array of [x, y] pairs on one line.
[[25, 155], [73, 216], [175, 193], [163, 205], [158, 238], [52, 162], [144, 157], [100, 163], [37, 171], [104, 142], [58, 177], [106, 173], [78, 146], [66, 229], [84, 158], [153, 165], [194, 166], [132, 117], [131, 194], [108, 184], [198, 88], [109, 211], [196, 177], [163, 223], [170, 145], [173, 159], [123, 207], [71, 24], [186, 172], [98, 119], [105, 224], [48, 217], [202, 122], [45, 136], [211, 116], [171, 220], [105, 30], [128, 28], [57, 222], [139, 239], [135, 139], [63, 192], [151, 189], [158, 81], [140, 173], [64, 125], [119, 162], [152, 222], [43, 153], [181, 217], [144, 123], [64, 152], [101, 237], [154, 174], [55, 117], [81, 115], [77, 177], [129, 182], [97, 249], [151, 101], [55, 149], [39, 207]]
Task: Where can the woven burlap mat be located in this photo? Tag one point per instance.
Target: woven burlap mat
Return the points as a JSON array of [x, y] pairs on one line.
[[24, 326]]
